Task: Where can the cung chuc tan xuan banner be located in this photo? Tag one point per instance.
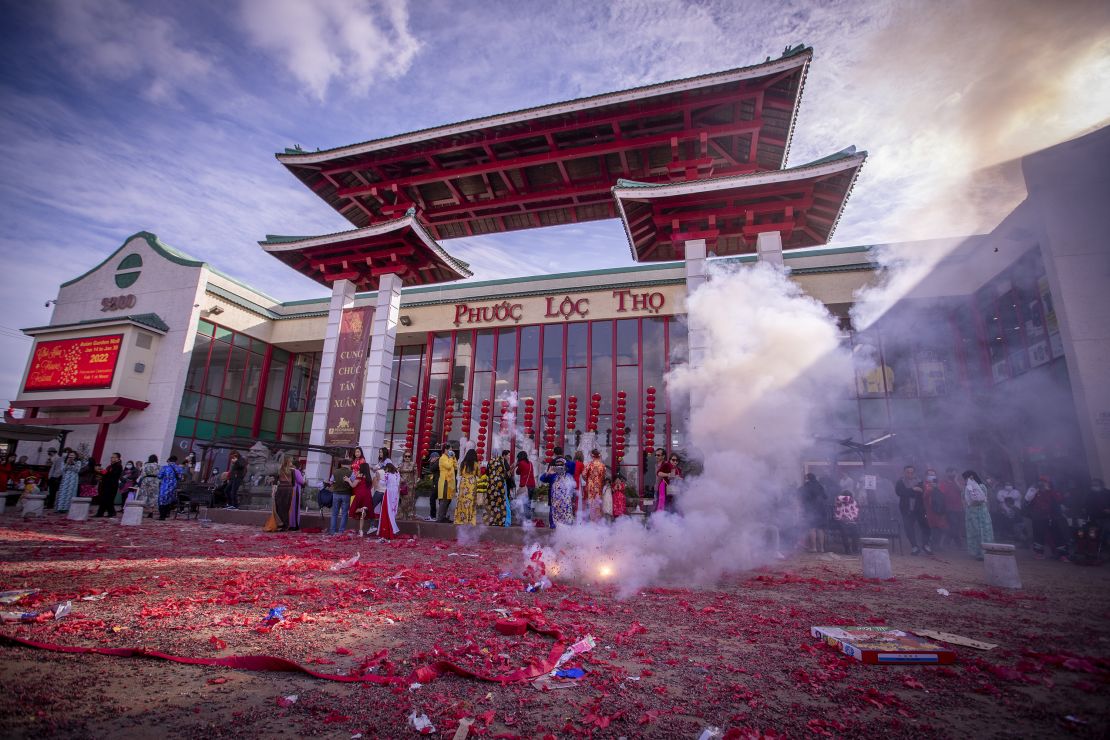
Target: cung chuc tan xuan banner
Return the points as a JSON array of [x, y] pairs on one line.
[[345, 403]]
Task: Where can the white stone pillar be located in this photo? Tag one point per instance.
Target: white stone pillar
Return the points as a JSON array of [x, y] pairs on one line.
[[768, 248], [342, 297], [697, 338], [379, 365]]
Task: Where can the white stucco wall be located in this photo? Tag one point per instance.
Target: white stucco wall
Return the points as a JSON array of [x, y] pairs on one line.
[[166, 288]]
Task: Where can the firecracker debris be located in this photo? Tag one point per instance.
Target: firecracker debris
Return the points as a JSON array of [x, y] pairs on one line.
[[668, 662]]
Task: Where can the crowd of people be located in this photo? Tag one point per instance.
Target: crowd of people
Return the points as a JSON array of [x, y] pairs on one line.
[[69, 474], [963, 510], [497, 493]]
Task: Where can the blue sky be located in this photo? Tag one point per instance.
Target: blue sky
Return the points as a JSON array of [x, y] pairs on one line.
[[119, 116]]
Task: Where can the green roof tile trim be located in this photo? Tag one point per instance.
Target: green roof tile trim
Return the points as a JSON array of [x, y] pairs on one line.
[[148, 320], [173, 255], [152, 240]]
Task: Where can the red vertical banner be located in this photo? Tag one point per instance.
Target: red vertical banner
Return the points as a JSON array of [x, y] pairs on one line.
[[348, 379]]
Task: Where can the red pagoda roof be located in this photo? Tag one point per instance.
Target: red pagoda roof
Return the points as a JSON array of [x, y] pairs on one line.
[[399, 246], [803, 203], [556, 164]]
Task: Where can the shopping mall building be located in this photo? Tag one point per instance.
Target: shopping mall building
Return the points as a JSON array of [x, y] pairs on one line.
[[152, 351]]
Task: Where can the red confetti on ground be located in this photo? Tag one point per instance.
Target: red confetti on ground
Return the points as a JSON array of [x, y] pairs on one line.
[[668, 663]]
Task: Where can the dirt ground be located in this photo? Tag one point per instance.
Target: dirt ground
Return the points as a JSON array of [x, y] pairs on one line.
[[668, 663]]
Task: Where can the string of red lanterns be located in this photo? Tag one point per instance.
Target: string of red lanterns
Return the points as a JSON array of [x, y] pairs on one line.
[[410, 427], [618, 426]]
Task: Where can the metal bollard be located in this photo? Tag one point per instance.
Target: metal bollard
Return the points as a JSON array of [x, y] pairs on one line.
[[132, 514], [1001, 565], [79, 509], [876, 557], [33, 504]]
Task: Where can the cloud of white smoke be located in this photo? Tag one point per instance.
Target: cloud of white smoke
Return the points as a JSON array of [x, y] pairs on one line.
[[773, 358]]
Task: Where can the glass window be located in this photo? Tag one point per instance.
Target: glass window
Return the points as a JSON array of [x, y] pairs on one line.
[[437, 388], [526, 388], [209, 407], [229, 412], [483, 350], [236, 371], [576, 344], [293, 422], [552, 362], [242, 340], [253, 378], [269, 420], [223, 334], [676, 334], [198, 363], [297, 397], [441, 347], [246, 415], [576, 387], [184, 427], [275, 379], [601, 364], [873, 413], [408, 379], [628, 342], [506, 356], [205, 327], [464, 359], [905, 413], [189, 403], [654, 355], [529, 348], [217, 363]]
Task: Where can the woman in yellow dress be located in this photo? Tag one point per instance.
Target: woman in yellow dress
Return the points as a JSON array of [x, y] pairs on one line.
[[465, 511], [446, 482]]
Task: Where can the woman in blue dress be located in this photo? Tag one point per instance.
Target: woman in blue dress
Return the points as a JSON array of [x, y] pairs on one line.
[[562, 487], [168, 478], [71, 473]]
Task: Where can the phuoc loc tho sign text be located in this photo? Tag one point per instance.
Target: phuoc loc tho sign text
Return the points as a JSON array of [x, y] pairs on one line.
[[560, 307]]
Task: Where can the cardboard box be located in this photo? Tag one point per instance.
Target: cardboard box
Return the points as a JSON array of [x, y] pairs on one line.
[[884, 645]]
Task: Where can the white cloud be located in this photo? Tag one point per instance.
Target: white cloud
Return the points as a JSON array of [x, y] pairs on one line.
[[354, 41], [119, 42]]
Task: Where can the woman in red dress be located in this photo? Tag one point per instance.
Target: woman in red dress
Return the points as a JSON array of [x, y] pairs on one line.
[[664, 471], [362, 479], [617, 490]]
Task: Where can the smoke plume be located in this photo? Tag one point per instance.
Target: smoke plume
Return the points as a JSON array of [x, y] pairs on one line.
[[753, 401]]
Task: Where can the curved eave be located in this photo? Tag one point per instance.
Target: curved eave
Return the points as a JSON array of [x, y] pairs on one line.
[[631, 195], [447, 267], [798, 59]]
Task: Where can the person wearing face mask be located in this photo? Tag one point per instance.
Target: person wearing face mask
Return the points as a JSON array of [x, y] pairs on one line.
[[563, 489], [447, 469], [128, 480]]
